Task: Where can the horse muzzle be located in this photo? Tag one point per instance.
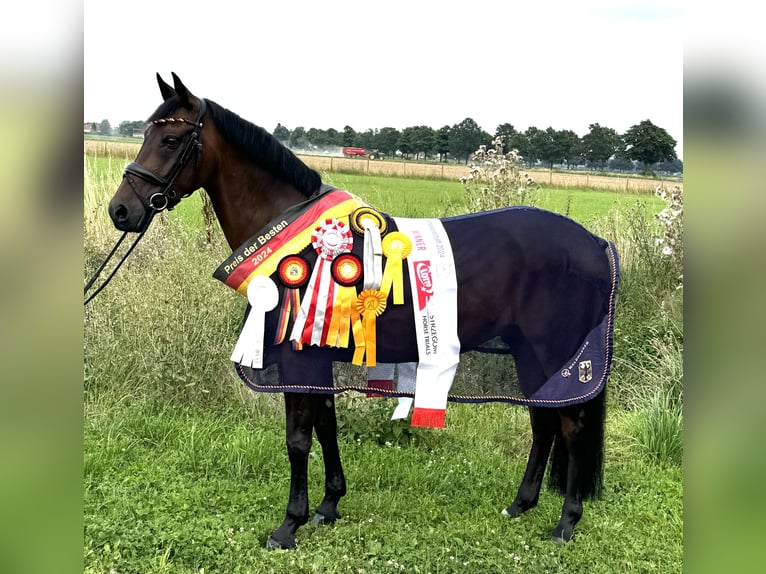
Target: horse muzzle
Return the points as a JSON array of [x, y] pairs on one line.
[[130, 215]]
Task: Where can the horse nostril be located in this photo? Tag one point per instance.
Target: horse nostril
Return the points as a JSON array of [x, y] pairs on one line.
[[121, 213]]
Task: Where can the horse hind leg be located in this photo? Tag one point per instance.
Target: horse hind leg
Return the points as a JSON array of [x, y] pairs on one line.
[[544, 422], [577, 462], [326, 427]]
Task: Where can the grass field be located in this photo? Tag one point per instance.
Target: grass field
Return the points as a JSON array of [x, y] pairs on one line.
[[185, 471]]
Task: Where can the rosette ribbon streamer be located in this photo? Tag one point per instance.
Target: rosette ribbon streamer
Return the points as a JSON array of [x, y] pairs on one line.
[[371, 224], [293, 272], [370, 304], [346, 270], [396, 247]]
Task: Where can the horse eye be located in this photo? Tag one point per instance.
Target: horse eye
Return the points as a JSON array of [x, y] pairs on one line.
[[170, 142]]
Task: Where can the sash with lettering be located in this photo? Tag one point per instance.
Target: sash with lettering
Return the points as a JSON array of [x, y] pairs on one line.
[[434, 299]]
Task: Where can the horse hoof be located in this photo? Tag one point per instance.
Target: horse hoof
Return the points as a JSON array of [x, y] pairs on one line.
[[514, 511], [273, 544], [320, 520], [560, 537]]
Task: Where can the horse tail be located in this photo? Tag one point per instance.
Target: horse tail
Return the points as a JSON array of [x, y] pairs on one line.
[[589, 449], [588, 419]]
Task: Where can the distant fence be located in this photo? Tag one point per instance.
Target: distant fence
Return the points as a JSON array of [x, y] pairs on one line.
[[454, 172], [448, 171]]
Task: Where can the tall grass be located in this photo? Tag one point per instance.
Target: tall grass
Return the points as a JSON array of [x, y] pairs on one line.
[[179, 456]]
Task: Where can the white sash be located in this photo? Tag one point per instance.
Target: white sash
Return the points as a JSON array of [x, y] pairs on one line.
[[434, 303]]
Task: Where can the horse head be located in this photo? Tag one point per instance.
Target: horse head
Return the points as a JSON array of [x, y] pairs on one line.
[[166, 167]]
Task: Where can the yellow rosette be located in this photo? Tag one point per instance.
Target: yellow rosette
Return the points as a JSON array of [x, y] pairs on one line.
[[396, 247], [370, 304]]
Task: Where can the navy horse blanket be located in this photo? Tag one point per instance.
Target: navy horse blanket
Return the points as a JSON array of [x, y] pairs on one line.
[[324, 258]]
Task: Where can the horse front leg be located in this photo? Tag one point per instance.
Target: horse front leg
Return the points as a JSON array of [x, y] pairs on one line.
[[299, 410], [326, 426]]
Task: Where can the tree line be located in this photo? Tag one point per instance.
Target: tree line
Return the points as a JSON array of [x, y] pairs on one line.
[[644, 146]]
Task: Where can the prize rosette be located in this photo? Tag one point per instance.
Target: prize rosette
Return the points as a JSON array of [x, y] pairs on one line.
[[263, 296], [363, 217], [332, 238], [329, 239], [346, 271], [371, 224], [370, 304], [293, 272], [396, 247]]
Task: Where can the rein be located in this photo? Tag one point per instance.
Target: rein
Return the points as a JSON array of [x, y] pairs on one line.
[[114, 271], [158, 201]]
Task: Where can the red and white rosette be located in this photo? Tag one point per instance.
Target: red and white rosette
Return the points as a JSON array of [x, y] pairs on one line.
[[331, 238]]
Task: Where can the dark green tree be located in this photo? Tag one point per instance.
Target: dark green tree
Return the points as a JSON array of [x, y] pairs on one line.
[[423, 140], [333, 137], [507, 132], [670, 166], [281, 133], [127, 128], [465, 138], [105, 128], [386, 140], [297, 137], [441, 145], [520, 142], [405, 143], [536, 145], [571, 147], [599, 145], [620, 163], [366, 139], [348, 137], [649, 144], [315, 137], [549, 148]]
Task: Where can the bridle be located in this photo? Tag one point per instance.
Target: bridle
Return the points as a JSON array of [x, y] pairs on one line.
[[158, 201], [167, 198]]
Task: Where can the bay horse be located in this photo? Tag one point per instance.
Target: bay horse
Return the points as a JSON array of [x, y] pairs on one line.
[[537, 280]]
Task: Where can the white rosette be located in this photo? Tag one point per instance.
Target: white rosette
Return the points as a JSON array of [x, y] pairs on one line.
[[263, 296]]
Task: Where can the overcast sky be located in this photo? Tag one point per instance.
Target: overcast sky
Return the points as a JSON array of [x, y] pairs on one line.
[[330, 63]]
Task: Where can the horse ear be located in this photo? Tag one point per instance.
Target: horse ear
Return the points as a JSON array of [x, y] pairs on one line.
[[166, 90], [182, 91]]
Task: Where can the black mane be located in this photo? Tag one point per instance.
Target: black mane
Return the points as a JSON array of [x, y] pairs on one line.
[[255, 143]]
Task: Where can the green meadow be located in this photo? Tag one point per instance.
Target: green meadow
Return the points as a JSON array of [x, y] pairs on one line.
[[186, 471]]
